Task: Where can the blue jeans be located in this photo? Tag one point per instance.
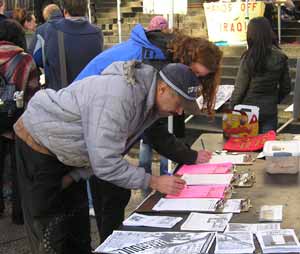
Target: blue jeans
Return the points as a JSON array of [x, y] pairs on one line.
[[90, 199], [145, 159], [267, 123]]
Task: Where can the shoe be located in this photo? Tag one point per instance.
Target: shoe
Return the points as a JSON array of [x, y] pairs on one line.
[[92, 212], [17, 220], [2, 207]]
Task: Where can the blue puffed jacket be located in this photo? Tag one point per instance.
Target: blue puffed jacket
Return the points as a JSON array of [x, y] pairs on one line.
[[137, 47]]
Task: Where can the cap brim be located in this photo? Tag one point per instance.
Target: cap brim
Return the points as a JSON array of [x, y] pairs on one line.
[[191, 107]]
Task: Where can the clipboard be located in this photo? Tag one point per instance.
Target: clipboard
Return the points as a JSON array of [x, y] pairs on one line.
[[245, 179]]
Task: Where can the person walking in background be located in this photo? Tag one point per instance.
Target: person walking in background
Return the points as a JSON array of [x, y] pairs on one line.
[[156, 48], [63, 47], [19, 70], [263, 78]]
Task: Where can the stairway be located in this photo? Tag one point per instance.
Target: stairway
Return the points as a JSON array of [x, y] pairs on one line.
[[230, 65], [194, 24], [131, 14]]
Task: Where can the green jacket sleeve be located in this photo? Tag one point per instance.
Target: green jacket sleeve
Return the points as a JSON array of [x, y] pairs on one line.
[[168, 145], [241, 84]]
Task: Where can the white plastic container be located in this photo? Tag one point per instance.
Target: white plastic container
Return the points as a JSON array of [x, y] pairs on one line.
[[282, 157]]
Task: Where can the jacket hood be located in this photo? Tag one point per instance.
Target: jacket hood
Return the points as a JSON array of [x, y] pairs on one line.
[[139, 36], [8, 50], [136, 74], [75, 27]]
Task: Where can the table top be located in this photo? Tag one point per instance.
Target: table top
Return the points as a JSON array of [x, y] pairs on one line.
[[267, 190]]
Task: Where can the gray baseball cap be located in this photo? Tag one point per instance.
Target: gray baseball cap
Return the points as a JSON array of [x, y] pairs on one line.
[[182, 80]]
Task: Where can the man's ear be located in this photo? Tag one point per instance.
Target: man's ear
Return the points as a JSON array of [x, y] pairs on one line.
[[161, 87]]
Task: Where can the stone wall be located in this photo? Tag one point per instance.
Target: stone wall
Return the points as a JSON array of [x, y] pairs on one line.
[[193, 23]]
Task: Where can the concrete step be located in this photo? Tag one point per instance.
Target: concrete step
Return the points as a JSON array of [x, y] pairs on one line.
[[108, 6], [235, 61], [289, 31], [231, 70], [112, 39], [143, 19], [292, 50], [289, 24], [290, 39]]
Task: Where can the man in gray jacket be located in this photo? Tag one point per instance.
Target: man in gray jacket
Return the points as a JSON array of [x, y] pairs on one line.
[[92, 124]]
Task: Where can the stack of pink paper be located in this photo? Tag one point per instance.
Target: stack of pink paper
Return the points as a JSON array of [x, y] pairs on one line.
[[202, 191], [207, 168]]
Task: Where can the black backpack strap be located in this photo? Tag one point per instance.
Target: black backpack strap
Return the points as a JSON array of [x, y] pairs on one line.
[[62, 58], [148, 54], [12, 66]]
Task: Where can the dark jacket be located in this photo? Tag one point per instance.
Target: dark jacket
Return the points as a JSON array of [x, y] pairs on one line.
[[264, 90], [2, 17], [82, 41]]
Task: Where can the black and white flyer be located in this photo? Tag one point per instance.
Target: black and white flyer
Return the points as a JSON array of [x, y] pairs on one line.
[[133, 242], [235, 242]]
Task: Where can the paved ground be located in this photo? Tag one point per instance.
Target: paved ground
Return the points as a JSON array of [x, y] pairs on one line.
[[13, 239]]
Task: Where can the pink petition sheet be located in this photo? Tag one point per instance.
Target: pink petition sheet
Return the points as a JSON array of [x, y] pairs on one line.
[[207, 168], [202, 191]]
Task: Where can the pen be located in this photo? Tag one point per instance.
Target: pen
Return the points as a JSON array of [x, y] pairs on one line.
[[202, 143]]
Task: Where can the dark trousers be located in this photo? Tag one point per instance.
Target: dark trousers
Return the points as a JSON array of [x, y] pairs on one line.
[[8, 146], [109, 203], [267, 123], [56, 220]]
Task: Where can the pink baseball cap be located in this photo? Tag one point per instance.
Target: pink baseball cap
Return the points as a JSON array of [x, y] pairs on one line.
[[158, 23]]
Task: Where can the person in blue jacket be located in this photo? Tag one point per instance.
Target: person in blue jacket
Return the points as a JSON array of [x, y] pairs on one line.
[[138, 47], [156, 48]]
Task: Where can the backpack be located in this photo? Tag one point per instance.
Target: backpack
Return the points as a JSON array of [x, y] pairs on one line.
[[9, 112]]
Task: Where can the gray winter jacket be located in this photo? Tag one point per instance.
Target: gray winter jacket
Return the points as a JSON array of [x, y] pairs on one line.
[[93, 122]]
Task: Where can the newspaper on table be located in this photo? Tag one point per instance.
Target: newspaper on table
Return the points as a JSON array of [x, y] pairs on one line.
[[271, 213], [187, 204], [253, 228], [207, 179], [234, 242], [278, 241], [206, 222], [138, 220], [133, 242], [224, 93]]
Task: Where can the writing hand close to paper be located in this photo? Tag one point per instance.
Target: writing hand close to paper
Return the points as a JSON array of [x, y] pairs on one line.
[[203, 156], [167, 184]]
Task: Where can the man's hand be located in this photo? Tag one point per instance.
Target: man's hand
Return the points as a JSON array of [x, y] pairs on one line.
[[167, 184], [203, 156], [67, 180]]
